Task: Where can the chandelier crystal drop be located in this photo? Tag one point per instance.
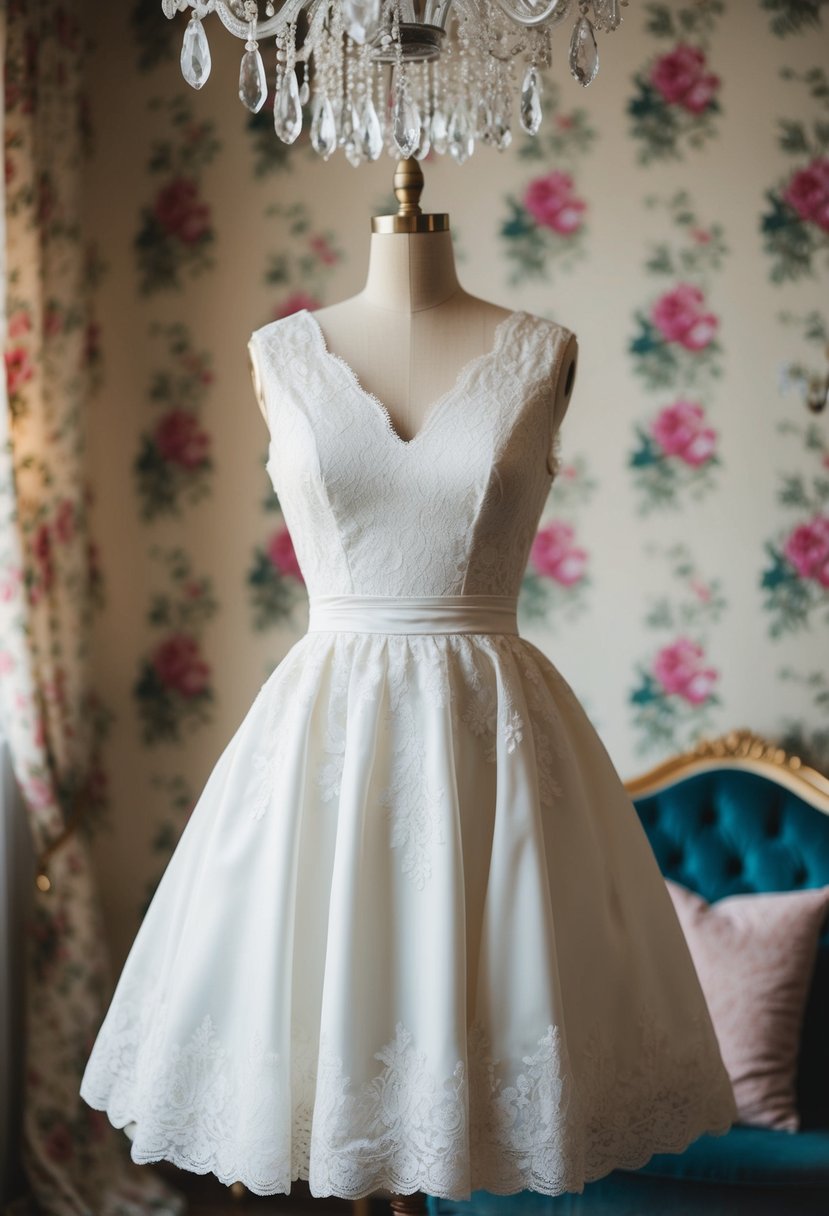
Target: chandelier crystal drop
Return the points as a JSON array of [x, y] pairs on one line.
[[404, 76], [253, 83]]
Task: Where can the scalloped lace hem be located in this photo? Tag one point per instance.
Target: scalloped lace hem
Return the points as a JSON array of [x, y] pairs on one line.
[[409, 1186], [488, 1126]]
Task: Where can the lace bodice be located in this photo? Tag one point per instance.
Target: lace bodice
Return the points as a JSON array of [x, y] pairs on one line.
[[451, 511]]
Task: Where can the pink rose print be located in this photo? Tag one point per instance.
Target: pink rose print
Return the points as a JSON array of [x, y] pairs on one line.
[[808, 549], [180, 665], [93, 562], [42, 553], [181, 440], [10, 584], [98, 784], [52, 320], [701, 590], [38, 792], [92, 343], [554, 555], [283, 556], [58, 1143], [66, 30], [679, 670], [808, 192], [19, 368], [19, 323], [98, 1123], [194, 365], [681, 79], [552, 204], [680, 431], [321, 248], [65, 521], [180, 212], [679, 317], [295, 303]]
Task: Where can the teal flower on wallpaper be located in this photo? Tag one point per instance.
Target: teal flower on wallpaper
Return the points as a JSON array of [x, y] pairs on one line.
[[676, 104], [302, 269], [794, 16], [173, 691], [176, 235], [795, 225], [545, 226], [795, 578], [675, 696], [676, 456], [174, 466]]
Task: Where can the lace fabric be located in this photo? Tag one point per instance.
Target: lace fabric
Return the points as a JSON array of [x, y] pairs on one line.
[[338, 465], [483, 680], [413, 935], [534, 1121]]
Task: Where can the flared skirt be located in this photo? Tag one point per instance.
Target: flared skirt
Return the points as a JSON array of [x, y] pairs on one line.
[[412, 937]]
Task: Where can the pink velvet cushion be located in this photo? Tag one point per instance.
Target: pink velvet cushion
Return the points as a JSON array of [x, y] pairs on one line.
[[755, 958]]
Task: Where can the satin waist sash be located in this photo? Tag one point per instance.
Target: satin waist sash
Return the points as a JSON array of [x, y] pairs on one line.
[[413, 613]]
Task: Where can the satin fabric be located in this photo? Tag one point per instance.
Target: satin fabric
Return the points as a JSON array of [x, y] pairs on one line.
[[494, 614]]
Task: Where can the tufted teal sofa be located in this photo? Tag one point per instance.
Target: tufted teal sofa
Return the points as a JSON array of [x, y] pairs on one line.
[[735, 815]]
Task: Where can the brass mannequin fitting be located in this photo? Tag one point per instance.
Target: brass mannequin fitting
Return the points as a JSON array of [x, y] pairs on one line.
[[408, 187]]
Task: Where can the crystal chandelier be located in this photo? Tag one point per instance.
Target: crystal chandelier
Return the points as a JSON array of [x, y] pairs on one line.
[[404, 76]]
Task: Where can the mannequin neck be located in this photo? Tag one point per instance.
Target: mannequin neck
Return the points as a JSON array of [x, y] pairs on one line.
[[410, 271]]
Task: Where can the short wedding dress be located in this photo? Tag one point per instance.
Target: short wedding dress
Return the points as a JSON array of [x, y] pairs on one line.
[[413, 935]]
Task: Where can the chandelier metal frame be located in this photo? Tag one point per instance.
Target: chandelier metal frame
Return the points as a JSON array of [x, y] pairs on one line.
[[455, 67]]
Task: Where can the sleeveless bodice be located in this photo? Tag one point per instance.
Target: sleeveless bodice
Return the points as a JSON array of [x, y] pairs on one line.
[[453, 510]]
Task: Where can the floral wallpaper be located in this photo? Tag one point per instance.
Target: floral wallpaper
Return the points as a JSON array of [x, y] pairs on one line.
[[675, 215]]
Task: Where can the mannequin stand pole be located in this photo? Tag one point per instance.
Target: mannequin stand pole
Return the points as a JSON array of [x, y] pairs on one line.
[[409, 1205]]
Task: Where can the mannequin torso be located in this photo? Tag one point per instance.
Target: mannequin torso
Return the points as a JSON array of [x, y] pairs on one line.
[[412, 328]]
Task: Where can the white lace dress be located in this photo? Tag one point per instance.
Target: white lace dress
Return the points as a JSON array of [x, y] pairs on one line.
[[413, 935]]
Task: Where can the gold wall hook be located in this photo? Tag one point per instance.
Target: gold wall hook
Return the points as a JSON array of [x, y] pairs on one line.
[[408, 187]]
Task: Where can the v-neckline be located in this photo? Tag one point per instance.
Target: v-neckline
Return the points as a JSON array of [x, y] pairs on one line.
[[438, 405]]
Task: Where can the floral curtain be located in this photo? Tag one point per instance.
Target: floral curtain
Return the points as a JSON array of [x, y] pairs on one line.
[[75, 1161]]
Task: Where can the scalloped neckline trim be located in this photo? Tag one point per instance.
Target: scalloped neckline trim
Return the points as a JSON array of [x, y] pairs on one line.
[[436, 407]]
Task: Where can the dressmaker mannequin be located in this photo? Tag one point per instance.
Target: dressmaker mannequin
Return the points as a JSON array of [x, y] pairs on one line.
[[407, 335], [412, 328]]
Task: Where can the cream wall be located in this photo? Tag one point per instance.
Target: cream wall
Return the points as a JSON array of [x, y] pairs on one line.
[[192, 549]]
